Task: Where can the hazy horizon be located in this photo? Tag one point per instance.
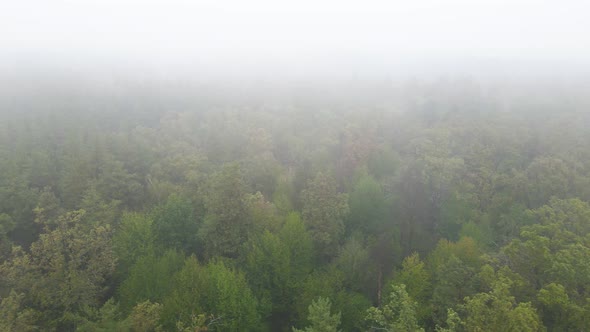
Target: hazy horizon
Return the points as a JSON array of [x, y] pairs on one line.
[[302, 40]]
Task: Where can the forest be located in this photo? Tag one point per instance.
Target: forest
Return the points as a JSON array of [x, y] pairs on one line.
[[449, 204]]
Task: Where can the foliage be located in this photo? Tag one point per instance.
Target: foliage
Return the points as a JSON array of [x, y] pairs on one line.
[[175, 225], [448, 205], [66, 269], [321, 318], [497, 311], [13, 315], [397, 314], [227, 223], [368, 206], [417, 281], [145, 316], [323, 211], [133, 239], [149, 279]]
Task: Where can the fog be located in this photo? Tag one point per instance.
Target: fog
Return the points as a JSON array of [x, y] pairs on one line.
[[268, 39], [225, 166]]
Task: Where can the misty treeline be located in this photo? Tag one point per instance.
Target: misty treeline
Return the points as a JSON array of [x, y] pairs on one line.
[[446, 205]]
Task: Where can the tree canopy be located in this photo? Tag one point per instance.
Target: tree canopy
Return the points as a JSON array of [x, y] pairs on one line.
[[446, 205]]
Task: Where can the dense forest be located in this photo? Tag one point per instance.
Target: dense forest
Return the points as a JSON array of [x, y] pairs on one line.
[[449, 204]]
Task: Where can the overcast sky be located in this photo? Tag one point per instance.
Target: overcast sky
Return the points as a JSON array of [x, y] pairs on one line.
[[294, 33]]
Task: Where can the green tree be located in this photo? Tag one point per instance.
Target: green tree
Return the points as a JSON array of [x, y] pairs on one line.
[[320, 317], [14, 316], [76, 177], [353, 261], [397, 314], [325, 282], [497, 310], [268, 268], [229, 298], [186, 297], [328, 282], [559, 313], [296, 237], [133, 239], [453, 323], [324, 210], [417, 281], [66, 270], [263, 214], [145, 317], [368, 206], [425, 184], [383, 163], [453, 281], [117, 183], [175, 225], [553, 249], [104, 319], [17, 201], [457, 211], [546, 177], [217, 291], [149, 279], [6, 225], [283, 195], [227, 224], [98, 208], [48, 208], [352, 306]]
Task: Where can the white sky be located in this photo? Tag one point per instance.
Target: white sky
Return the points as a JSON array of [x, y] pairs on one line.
[[300, 31]]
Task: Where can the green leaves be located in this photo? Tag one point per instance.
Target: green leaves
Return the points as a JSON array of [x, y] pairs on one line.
[[229, 298], [320, 317], [277, 265], [228, 222], [14, 316], [66, 269], [417, 281], [268, 264], [398, 313], [324, 210], [554, 249], [216, 291], [497, 310], [133, 239], [146, 317], [175, 225], [559, 313], [368, 206], [275, 208], [149, 279]]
